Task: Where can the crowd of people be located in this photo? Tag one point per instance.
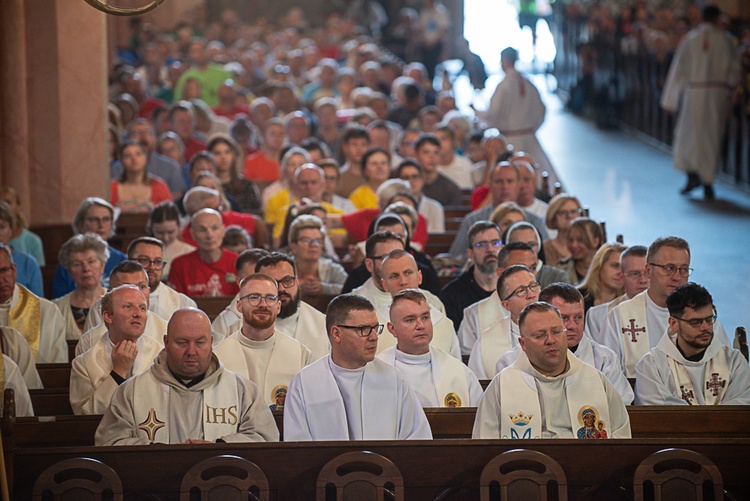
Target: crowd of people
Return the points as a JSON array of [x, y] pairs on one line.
[[258, 155]]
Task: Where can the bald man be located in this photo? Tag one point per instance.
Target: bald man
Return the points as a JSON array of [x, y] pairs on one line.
[[208, 270], [186, 396]]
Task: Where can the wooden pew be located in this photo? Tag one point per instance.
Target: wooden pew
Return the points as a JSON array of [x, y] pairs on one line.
[[51, 402], [318, 301], [212, 306], [439, 243], [456, 210], [54, 375], [428, 468]]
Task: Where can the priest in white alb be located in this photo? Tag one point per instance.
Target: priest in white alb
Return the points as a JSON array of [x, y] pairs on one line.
[[256, 350], [186, 396], [13, 380], [689, 366], [548, 392], [518, 288], [438, 379], [349, 394], [15, 347], [635, 326], [122, 352]]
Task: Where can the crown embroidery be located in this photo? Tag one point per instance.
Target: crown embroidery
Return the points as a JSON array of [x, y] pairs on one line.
[[521, 419]]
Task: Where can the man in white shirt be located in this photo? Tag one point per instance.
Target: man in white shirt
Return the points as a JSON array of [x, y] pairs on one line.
[[432, 210], [126, 273], [569, 302], [120, 353], [348, 394], [634, 279], [378, 245], [689, 366], [527, 186], [438, 380], [635, 326], [455, 167], [400, 272], [548, 392], [268, 358], [517, 287]]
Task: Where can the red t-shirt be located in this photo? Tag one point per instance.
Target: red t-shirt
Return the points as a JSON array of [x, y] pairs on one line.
[[357, 223], [193, 146], [478, 196], [229, 218], [260, 168], [233, 112], [194, 277]]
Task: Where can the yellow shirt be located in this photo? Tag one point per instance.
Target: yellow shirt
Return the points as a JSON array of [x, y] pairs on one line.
[[278, 225], [364, 198], [278, 201]]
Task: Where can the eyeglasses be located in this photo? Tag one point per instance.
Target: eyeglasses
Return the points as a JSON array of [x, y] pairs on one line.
[[539, 336], [6, 270], [98, 220], [309, 241], [632, 275], [669, 269], [364, 330], [288, 281], [697, 322], [377, 258], [484, 244], [567, 213], [524, 291], [79, 265], [157, 263], [254, 299]]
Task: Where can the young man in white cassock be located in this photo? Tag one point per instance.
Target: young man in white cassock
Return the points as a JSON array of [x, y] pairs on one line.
[[634, 279], [126, 273], [399, 271], [186, 396], [438, 379], [690, 366], [349, 394], [635, 326], [548, 392], [517, 287], [268, 358], [120, 353], [569, 302]]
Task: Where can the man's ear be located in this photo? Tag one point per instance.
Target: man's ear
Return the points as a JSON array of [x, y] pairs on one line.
[[392, 329], [369, 264]]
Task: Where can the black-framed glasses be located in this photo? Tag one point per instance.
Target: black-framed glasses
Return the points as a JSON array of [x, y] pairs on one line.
[[288, 281], [669, 269], [255, 299], [484, 244], [157, 263], [523, 291], [364, 330], [697, 322]]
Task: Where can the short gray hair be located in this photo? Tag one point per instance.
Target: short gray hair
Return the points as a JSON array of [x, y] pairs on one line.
[[196, 197], [305, 222], [81, 243], [80, 216]]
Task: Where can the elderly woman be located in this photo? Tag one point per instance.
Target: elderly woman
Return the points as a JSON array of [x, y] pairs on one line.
[[164, 224], [603, 282], [280, 194], [376, 165], [563, 209], [226, 152], [84, 257], [136, 191], [97, 216], [28, 272], [315, 274], [585, 236]]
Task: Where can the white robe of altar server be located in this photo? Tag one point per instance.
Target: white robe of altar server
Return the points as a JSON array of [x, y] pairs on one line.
[[226, 322], [156, 328], [553, 394], [494, 342], [17, 349], [270, 364], [655, 383], [14, 381], [374, 402], [444, 337], [657, 322], [52, 346], [596, 355], [380, 298], [163, 301], [436, 377], [702, 74], [477, 318], [91, 385], [596, 316]]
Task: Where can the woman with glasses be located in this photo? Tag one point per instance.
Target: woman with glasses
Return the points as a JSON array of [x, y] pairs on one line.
[[563, 209], [603, 282], [317, 275], [84, 257]]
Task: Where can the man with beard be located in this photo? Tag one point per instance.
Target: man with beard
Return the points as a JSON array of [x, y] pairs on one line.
[[268, 358], [690, 366], [296, 318], [478, 282]]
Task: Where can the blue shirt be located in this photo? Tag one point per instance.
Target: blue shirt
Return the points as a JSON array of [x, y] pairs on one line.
[[62, 283], [28, 273]]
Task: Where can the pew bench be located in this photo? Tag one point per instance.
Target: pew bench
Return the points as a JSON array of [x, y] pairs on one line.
[[54, 375]]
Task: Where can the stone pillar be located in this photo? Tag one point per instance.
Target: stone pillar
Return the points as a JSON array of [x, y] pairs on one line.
[[54, 122]]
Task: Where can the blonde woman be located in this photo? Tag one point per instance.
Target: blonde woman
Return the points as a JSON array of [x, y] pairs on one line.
[[585, 236], [603, 283], [563, 209], [506, 215]]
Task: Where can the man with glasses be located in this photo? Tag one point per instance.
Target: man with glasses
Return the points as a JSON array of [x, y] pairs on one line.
[[635, 326], [689, 365], [296, 318], [548, 392], [350, 395], [635, 281], [569, 302], [517, 287], [256, 350], [479, 281]]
